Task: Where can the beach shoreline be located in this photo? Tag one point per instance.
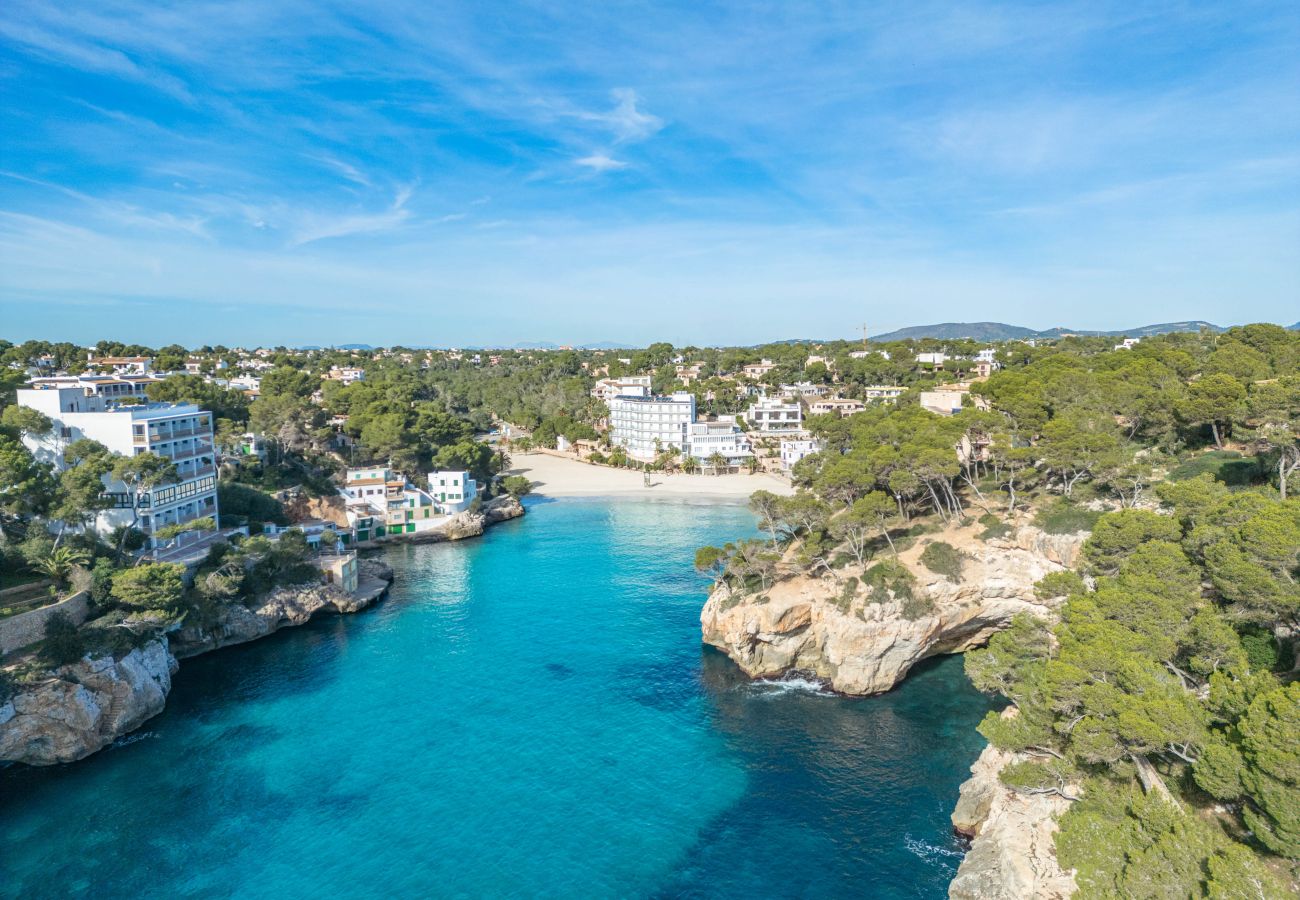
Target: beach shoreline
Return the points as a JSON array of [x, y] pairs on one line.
[[556, 477]]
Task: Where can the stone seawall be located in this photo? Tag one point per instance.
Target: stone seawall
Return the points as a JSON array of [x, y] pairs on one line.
[[25, 629]]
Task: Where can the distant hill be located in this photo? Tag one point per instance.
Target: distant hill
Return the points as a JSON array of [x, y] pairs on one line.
[[1000, 331], [1295, 327], [355, 347], [951, 331]]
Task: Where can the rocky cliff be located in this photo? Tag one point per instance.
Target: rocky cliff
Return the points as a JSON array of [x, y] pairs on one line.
[[864, 642], [80, 708], [1012, 854], [281, 608]]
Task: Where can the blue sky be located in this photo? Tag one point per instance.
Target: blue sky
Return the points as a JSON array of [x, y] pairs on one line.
[[448, 173]]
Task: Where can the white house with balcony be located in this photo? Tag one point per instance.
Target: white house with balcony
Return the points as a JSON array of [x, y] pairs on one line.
[[724, 437], [772, 416], [646, 426], [179, 432]]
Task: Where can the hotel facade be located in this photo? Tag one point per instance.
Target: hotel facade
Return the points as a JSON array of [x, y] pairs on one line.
[[179, 432]]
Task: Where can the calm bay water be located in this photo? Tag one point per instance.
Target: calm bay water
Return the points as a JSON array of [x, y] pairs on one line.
[[530, 714]]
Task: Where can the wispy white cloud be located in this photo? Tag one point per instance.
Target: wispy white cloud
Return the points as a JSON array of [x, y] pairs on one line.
[[601, 163]]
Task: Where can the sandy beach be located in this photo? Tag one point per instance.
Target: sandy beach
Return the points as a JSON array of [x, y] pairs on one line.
[[555, 476]]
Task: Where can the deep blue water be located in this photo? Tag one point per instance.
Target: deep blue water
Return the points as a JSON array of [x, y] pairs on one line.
[[530, 714]]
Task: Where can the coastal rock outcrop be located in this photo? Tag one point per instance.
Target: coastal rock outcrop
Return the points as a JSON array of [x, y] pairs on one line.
[[1012, 854], [84, 706], [866, 645], [282, 607]]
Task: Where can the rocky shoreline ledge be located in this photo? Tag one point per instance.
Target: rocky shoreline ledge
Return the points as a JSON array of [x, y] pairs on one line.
[[866, 645], [80, 708], [1012, 853]]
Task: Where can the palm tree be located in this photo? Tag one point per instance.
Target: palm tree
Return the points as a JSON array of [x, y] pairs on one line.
[[718, 462], [59, 563]]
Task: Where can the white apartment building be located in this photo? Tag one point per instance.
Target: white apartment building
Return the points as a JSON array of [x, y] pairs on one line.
[[646, 426], [703, 439], [933, 359], [180, 432], [453, 492], [793, 450], [769, 416]]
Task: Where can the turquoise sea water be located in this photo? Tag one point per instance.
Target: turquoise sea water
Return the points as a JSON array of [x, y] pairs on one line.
[[530, 714]]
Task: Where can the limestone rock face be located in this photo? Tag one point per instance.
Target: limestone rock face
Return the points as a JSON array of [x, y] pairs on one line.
[[282, 607], [867, 645], [502, 509], [1012, 854], [83, 707]]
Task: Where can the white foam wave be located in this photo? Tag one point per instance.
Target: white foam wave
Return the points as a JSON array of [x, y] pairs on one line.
[[930, 852], [132, 738], [792, 686]]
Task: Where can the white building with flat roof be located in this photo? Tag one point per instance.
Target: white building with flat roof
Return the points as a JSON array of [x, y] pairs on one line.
[[628, 386], [703, 439], [453, 492], [795, 449], [646, 426], [772, 416], [180, 432]]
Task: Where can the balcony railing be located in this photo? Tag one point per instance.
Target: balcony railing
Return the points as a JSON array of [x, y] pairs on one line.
[[205, 450]]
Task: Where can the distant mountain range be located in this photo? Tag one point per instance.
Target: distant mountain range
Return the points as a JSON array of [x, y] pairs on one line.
[[1000, 331], [1295, 327]]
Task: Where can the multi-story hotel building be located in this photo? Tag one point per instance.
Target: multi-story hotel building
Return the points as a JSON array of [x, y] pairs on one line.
[[646, 426], [180, 432]]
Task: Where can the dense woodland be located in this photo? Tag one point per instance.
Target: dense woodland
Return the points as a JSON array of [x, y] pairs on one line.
[[1166, 702]]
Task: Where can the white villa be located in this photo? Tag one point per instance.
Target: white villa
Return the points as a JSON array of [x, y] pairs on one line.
[[453, 492], [774, 416], [180, 432], [796, 449]]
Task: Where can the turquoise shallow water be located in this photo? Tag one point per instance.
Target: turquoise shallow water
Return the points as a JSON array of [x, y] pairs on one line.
[[530, 714]]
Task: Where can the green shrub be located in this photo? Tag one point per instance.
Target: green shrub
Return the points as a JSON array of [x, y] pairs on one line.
[[1064, 517], [1058, 584], [914, 607], [64, 642], [943, 559], [1264, 652], [1227, 466], [994, 527], [845, 599], [516, 485], [887, 576], [7, 687], [240, 503]]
